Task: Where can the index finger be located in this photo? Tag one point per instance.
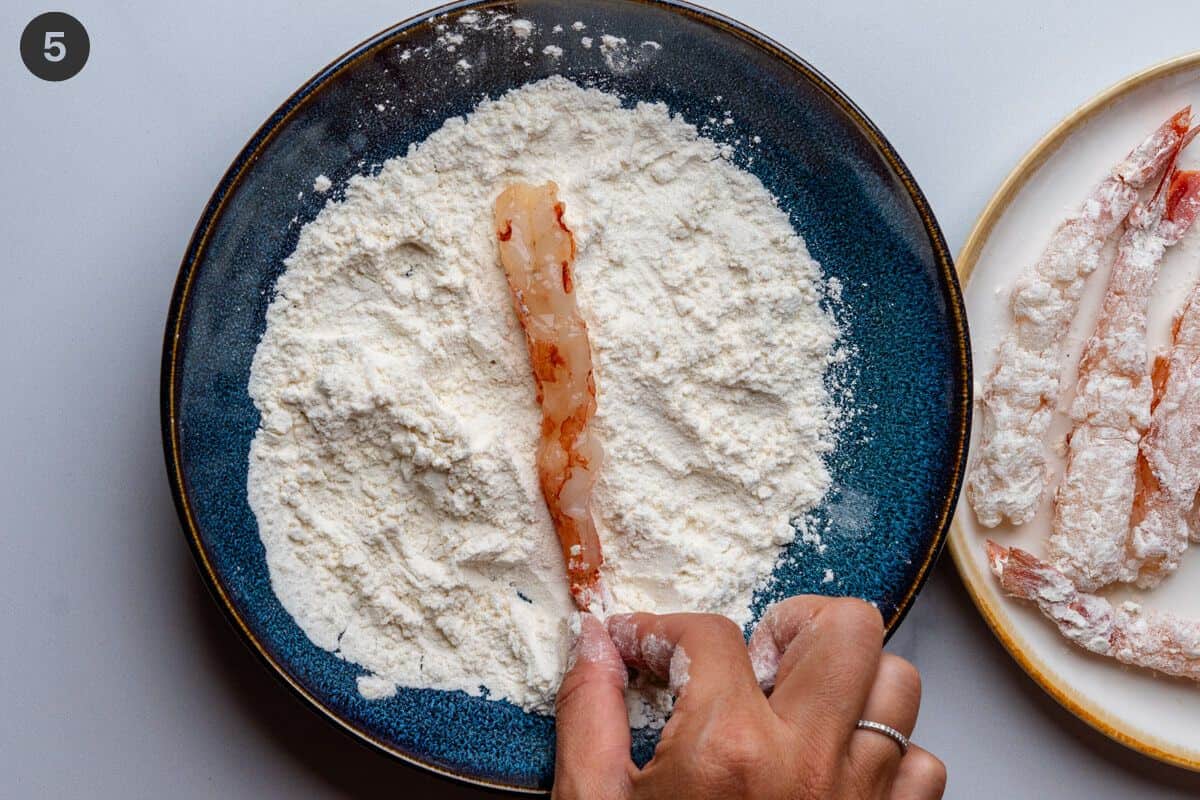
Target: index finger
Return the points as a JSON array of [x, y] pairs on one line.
[[700, 656], [592, 752]]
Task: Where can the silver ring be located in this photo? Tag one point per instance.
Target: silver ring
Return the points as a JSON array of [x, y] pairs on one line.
[[887, 730]]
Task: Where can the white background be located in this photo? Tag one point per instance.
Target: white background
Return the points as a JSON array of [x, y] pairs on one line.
[[118, 677]]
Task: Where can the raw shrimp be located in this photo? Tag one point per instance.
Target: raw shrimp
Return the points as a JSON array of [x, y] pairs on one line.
[[1090, 542], [1129, 633], [1018, 396], [1169, 461], [538, 252]]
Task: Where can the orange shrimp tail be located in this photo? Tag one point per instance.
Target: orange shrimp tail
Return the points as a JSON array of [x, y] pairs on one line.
[[997, 555], [1017, 570], [1182, 120], [1183, 197]]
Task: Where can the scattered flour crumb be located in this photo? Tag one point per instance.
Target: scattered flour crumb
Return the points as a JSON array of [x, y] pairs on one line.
[[380, 107], [557, 29], [647, 705], [833, 285], [828, 576], [373, 687], [321, 184], [521, 27], [586, 41], [577, 25], [463, 64], [809, 536], [552, 50]]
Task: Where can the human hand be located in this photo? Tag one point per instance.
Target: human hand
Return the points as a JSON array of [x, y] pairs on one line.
[[822, 665]]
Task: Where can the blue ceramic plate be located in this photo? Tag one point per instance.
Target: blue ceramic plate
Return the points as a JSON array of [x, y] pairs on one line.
[[898, 467]]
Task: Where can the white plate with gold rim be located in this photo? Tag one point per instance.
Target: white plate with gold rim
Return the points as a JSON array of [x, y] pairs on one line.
[[1150, 713]]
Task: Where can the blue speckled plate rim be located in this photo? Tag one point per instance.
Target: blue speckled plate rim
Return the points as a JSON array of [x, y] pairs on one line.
[[246, 158]]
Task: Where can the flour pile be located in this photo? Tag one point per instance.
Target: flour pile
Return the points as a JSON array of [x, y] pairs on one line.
[[393, 473]]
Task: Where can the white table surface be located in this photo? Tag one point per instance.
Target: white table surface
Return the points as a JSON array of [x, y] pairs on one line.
[[120, 678]]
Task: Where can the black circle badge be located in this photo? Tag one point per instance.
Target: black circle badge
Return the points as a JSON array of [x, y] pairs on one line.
[[55, 46]]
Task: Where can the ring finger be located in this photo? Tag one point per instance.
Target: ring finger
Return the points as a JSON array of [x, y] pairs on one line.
[[893, 700]]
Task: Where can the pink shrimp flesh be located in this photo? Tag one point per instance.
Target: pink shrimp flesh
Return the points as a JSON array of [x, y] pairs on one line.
[[1169, 460], [1009, 474], [537, 250], [1128, 633], [1090, 542]]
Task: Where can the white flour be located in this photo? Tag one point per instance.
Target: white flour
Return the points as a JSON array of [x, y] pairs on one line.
[[393, 473]]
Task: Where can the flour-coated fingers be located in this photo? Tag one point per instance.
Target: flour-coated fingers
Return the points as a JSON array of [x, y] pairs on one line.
[[699, 656]]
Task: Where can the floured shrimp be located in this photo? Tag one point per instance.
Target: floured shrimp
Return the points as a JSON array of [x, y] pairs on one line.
[[1129, 633], [538, 252], [1169, 461], [1019, 394], [1090, 542]]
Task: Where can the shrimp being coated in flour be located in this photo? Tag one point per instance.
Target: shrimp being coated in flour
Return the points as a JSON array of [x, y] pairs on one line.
[[1169, 460], [1128, 633], [537, 251], [1090, 542], [1009, 474]]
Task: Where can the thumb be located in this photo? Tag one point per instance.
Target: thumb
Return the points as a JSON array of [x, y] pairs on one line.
[[592, 757]]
